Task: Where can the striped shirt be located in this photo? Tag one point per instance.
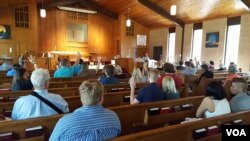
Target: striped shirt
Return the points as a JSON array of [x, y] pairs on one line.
[[88, 123]]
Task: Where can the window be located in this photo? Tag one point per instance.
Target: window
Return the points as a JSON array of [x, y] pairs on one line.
[[232, 43], [78, 16], [22, 16], [171, 45], [197, 42]]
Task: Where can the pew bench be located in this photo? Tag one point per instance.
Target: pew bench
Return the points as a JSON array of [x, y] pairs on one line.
[[202, 130]]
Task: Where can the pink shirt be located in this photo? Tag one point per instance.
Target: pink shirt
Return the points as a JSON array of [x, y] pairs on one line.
[[230, 77]]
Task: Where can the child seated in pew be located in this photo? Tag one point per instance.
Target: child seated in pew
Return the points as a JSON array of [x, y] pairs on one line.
[[214, 103], [150, 93], [241, 100], [109, 78], [169, 89]]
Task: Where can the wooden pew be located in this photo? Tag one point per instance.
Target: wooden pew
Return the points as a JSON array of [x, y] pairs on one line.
[[110, 100], [201, 88], [64, 92], [134, 118], [184, 132], [18, 127], [131, 117]]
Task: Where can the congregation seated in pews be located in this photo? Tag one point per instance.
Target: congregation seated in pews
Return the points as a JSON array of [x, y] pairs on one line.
[[132, 118]]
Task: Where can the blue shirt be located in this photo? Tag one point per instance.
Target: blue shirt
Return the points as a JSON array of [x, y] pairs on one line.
[[88, 123], [108, 80], [240, 102], [11, 72], [76, 69], [5, 67], [64, 72], [31, 107], [189, 71], [150, 94]]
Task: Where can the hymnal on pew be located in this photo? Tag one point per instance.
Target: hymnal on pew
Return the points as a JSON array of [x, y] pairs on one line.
[[165, 110], [34, 132], [199, 133], [212, 130], [153, 111], [6, 136]]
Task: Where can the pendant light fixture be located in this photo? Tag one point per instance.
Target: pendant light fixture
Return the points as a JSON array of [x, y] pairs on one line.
[[42, 11], [173, 10], [128, 21]]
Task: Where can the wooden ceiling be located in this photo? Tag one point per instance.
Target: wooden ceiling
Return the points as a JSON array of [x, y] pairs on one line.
[[189, 11]]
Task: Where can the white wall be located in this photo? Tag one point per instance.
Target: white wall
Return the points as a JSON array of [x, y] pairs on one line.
[[159, 37]]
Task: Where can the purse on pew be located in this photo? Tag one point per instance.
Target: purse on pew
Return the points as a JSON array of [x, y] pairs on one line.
[[51, 105]]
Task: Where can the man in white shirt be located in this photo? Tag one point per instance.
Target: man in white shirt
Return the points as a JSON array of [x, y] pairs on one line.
[[30, 106]]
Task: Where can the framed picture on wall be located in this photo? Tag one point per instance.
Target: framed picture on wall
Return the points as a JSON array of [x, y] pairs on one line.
[[212, 40], [5, 32], [77, 32]]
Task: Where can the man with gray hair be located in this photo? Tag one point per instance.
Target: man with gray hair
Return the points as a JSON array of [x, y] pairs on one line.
[[38, 104], [91, 122]]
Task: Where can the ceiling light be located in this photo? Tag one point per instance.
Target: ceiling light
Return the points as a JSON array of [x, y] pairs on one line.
[[128, 21], [42, 11], [173, 10], [76, 10]]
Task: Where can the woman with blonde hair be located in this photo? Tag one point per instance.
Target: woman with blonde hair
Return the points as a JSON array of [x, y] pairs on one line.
[[169, 90], [137, 75]]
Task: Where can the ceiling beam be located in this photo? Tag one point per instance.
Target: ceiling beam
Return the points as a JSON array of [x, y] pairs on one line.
[[161, 12], [247, 4], [86, 3], [59, 3]]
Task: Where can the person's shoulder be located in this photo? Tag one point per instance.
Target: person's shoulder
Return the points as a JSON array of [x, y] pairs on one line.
[[25, 99]]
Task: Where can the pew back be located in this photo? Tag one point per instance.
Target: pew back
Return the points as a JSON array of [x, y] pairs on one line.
[[183, 132]]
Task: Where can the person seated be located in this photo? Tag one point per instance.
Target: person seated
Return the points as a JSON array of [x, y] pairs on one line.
[[169, 71], [145, 71], [150, 93], [34, 105], [85, 71], [241, 100], [21, 80], [169, 90], [232, 73], [118, 69], [136, 75], [211, 65], [109, 78], [12, 72], [77, 67], [20, 64], [214, 103], [189, 69], [89, 122], [180, 67], [205, 73], [65, 70], [7, 65], [221, 66]]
